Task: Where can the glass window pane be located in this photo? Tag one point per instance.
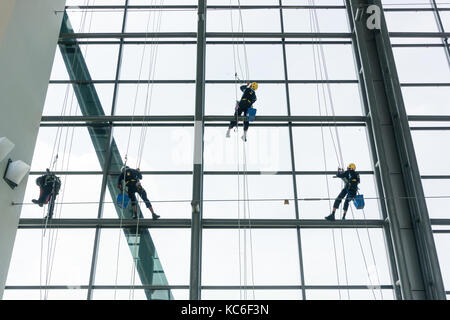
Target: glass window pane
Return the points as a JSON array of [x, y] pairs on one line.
[[254, 20], [161, 21], [93, 20], [155, 153], [220, 263], [66, 257], [78, 197], [308, 100], [349, 295], [299, 20], [171, 62], [426, 100], [265, 62], [220, 99], [267, 149], [419, 65], [431, 157], [266, 203], [339, 61], [256, 294], [309, 144], [339, 257], [115, 263], [436, 192], [74, 148], [155, 99], [315, 187]]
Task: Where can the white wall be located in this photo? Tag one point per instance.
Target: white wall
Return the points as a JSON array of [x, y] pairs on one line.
[[28, 36]]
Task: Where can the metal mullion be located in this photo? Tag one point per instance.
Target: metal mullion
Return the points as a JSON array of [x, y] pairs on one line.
[[254, 42], [107, 119], [250, 35], [221, 82], [107, 163], [109, 223], [174, 124], [270, 173], [292, 152], [374, 157], [440, 26], [198, 156]]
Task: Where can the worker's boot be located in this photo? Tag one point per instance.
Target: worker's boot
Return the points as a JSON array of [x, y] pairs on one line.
[[331, 217], [244, 137], [134, 215], [37, 202], [155, 216], [228, 133], [343, 217]]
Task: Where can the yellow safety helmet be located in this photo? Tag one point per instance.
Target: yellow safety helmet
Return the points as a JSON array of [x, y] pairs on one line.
[[351, 166], [254, 86]]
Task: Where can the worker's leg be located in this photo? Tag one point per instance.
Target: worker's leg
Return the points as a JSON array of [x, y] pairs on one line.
[[339, 199], [337, 202], [132, 195], [143, 195], [43, 196], [350, 196], [233, 122]]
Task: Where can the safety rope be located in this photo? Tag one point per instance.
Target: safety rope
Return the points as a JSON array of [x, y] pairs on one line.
[[246, 207], [236, 79], [53, 236], [126, 160], [317, 56], [339, 153]]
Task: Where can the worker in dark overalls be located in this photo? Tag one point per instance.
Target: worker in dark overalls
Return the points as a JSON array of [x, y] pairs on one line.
[[49, 185], [351, 179], [130, 178], [247, 100]]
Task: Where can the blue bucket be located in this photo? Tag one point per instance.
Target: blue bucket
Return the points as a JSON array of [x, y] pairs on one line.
[[251, 114], [358, 201], [122, 200]]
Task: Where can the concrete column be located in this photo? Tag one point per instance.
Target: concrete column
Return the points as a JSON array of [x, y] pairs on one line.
[[28, 36]]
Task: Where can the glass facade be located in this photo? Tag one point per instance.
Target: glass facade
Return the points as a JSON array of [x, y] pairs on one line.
[[123, 91]]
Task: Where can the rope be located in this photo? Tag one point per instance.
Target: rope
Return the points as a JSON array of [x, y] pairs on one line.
[[245, 71], [52, 239], [312, 26], [339, 150]]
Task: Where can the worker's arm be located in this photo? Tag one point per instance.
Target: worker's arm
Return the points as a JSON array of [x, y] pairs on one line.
[[244, 87], [340, 173], [119, 181]]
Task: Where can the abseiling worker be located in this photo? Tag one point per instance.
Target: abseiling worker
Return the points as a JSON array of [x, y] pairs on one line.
[[246, 102], [351, 179], [130, 178], [49, 184]]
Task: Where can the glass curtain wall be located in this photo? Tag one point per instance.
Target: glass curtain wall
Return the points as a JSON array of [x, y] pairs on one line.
[[122, 91]]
